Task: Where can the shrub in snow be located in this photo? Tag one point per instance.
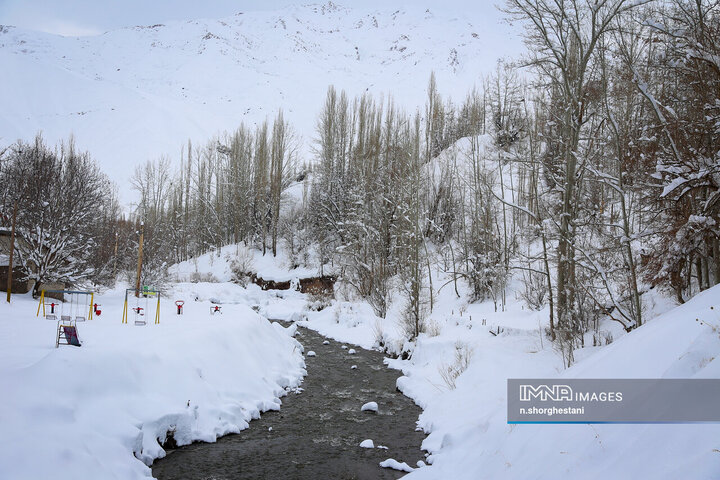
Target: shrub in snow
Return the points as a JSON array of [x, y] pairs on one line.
[[450, 373], [369, 407], [199, 277], [379, 333], [534, 291], [319, 301], [240, 267], [367, 444], [602, 337], [432, 328]]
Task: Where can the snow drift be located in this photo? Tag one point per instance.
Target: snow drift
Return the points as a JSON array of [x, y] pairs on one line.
[[87, 412]]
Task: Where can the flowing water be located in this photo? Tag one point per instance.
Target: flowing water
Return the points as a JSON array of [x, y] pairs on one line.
[[316, 434]]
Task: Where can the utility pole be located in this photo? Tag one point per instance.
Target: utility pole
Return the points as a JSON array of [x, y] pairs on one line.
[[12, 250], [139, 266]]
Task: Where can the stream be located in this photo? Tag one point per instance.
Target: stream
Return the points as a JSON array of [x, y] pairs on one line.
[[317, 433]]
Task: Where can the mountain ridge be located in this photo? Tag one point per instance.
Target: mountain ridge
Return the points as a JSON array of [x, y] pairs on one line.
[[137, 93]]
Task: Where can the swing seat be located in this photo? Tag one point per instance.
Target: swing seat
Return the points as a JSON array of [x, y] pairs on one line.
[[51, 316], [65, 318], [79, 319]]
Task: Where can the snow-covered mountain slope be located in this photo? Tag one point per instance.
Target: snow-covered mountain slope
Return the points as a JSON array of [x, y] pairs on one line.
[[137, 93]]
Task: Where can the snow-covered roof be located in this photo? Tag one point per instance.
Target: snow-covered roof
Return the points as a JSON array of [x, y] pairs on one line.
[[5, 260]]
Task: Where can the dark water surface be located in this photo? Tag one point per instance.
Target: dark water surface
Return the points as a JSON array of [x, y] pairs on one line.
[[316, 433]]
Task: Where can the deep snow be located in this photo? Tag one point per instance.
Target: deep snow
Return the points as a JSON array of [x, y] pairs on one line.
[[465, 416], [88, 412], [126, 386]]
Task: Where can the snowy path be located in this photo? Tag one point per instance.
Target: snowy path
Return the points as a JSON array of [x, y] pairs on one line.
[[317, 433]]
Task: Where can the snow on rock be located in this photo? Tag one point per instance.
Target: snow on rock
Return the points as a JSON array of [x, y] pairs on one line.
[[326, 342], [395, 465], [291, 330], [97, 411], [311, 353], [353, 367], [352, 351], [369, 407], [367, 444], [344, 347]]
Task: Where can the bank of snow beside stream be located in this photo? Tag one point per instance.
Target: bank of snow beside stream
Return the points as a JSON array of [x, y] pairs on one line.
[[458, 372], [87, 412], [470, 437]]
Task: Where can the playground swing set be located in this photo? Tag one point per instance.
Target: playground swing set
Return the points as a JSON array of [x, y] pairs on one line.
[[139, 312], [70, 313]]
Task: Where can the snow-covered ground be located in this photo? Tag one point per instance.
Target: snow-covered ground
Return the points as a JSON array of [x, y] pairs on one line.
[[88, 412], [458, 372], [458, 376], [470, 437]]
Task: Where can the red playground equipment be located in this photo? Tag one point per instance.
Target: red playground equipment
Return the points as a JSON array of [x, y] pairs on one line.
[[97, 310], [179, 304], [215, 309], [139, 316]]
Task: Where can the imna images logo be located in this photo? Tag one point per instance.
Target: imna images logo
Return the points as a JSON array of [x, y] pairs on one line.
[[555, 393]]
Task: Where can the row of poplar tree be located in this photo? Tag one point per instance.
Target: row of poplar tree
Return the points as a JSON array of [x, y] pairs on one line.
[[590, 171]]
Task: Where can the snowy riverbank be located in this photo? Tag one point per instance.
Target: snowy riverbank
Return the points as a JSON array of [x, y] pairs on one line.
[[88, 412], [458, 375], [469, 437]]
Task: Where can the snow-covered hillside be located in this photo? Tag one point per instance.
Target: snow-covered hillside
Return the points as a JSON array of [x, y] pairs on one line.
[[137, 93]]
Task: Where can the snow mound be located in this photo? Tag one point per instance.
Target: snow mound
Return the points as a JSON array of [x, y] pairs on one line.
[[367, 444], [395, 465], [352, 351], [369, 407], [311, 353]]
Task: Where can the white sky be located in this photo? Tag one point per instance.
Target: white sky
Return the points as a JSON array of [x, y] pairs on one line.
[[90, 17]]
